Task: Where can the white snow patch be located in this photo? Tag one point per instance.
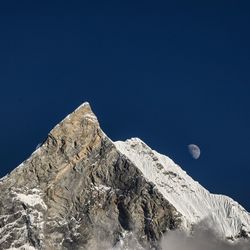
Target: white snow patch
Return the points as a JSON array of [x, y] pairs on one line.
[[30, 199], [102, 187]]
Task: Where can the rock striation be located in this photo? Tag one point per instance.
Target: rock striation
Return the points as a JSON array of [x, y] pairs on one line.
[[80, 190]]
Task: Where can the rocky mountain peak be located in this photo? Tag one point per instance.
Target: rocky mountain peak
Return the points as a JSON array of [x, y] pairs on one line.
[[80, 190], [76, 132], [77, 120], [68, 141]]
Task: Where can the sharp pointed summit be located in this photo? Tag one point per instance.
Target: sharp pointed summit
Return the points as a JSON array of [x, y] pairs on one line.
[[80, 190]]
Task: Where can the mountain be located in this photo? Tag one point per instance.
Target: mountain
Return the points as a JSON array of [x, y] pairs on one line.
[[81, 190]]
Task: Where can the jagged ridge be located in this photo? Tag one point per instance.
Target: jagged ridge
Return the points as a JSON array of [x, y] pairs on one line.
[[79, 190], [192, 200]]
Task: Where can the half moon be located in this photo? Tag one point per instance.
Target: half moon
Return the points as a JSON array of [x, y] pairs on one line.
[[194, 151]]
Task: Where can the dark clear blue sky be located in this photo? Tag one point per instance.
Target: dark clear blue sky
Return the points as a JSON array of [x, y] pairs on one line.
[[170, 72]]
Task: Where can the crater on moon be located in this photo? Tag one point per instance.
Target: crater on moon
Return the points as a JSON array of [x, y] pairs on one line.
[[194, 151]]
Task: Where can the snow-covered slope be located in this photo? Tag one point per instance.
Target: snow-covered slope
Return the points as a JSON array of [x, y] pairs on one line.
[[192, 200]]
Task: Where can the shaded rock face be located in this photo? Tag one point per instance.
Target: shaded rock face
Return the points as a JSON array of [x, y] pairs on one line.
[[77, 191]]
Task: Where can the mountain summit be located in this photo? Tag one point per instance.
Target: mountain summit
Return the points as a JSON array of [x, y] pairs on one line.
[[80, 190]]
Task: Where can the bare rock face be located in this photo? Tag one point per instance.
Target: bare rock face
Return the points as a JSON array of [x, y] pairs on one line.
[[77, 191]]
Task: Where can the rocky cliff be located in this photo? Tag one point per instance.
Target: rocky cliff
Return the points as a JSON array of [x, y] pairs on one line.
[[80, 190]]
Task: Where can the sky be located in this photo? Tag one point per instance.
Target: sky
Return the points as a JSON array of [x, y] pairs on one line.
[[169, 72]]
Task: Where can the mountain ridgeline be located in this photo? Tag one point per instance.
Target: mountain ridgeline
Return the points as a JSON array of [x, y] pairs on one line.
[[81, 190]]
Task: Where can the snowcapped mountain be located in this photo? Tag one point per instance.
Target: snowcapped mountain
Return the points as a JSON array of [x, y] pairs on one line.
[[80, 190], [189, 198]]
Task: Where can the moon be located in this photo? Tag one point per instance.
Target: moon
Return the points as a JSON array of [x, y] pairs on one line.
[[194, 151]]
